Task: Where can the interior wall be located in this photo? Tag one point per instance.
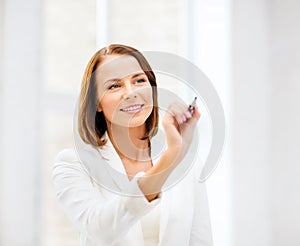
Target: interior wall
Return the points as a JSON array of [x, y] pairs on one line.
[[285, 77], [266, 103], [251, 133], [1, 65], [1, 41], [21, 110], [1, 83]]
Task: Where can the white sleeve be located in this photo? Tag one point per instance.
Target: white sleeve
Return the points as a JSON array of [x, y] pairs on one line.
[[201, 234], [102, 220]]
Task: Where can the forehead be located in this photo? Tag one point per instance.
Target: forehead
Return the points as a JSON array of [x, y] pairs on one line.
[[117, 67]]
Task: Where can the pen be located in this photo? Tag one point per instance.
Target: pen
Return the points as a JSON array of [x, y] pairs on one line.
[[192, 106]]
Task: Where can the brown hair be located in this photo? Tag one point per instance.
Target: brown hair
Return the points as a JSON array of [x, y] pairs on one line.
[[92, 124]]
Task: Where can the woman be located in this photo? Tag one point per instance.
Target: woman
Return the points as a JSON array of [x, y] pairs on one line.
[[117, 117]]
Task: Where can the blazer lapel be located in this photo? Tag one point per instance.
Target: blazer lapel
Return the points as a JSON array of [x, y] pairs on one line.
[[104, 166], [114, 165]]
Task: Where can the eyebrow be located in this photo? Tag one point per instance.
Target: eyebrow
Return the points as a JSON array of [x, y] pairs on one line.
[[116, 79]]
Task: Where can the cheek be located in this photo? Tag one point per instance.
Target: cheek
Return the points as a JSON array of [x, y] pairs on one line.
[[147, 94], [148, 97], [109, 104]]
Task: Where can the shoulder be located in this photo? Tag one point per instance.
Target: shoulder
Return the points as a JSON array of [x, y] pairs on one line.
[[70, 161], [66, 155], [73, 155], [67, 161]]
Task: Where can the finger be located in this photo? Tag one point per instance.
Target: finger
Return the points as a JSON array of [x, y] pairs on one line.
[[196, 116], [180, 112], [187, 114], [179, 119], [182, 117]]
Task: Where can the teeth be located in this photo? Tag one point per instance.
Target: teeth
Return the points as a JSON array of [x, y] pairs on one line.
[[132, 108]]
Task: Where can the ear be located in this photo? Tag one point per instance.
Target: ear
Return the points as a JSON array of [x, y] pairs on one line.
[[99, 108]]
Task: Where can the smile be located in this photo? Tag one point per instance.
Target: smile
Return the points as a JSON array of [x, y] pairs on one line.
[[133, 108]]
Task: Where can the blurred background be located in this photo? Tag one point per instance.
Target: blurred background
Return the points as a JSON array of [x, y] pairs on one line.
[[248, 48]]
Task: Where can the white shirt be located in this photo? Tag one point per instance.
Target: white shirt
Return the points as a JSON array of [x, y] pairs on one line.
[[150, 227], [105, 218]]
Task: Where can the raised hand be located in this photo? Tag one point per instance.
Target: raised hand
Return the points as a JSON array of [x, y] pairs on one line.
[[179, 126]]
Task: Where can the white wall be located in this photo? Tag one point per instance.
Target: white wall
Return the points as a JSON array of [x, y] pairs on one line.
[[266, 92], [285, 126], [1, 63], [21, 111], [1, 40], [251, 124], [1, 81]]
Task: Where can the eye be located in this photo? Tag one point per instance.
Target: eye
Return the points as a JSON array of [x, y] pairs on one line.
[[139, 81], [114, 86]]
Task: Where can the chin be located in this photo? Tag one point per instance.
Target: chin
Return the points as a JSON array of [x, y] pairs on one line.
[[133, 122], [136, 124]]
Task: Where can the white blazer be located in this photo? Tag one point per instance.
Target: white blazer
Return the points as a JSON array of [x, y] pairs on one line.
[[106, 218]]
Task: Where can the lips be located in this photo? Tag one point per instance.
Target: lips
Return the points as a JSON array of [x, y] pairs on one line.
[[132, 108]]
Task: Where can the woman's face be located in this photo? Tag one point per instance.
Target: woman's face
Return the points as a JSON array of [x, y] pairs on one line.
[[123, 90]]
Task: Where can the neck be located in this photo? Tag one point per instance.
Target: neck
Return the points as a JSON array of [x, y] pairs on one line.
[[127, 142]]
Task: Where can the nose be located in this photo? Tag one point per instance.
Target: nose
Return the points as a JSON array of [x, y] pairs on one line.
[[129, 91]]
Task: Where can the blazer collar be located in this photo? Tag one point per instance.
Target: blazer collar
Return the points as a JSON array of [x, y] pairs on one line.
[[109, 154], [104, 166], [111, 166]]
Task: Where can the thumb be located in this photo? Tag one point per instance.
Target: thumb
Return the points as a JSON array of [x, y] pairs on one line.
[[196, 116]]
